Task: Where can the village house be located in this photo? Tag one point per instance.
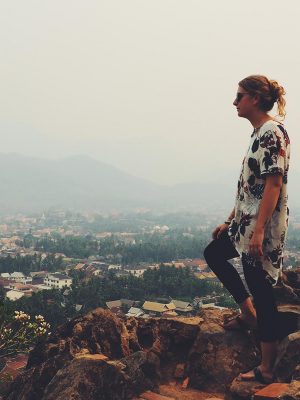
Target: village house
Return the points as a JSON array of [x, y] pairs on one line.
[[57, 280], [136, 272], [197, 265], [117, 306], [135, 312], [205, 275], [159, 309], [20, 277], [5, 275], [17, 290], [183, 307]]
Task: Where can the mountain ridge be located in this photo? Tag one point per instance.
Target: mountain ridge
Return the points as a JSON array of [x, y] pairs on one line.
[[80, 182]]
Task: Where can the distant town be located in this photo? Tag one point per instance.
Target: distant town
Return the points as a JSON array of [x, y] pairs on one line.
[[52, 250]]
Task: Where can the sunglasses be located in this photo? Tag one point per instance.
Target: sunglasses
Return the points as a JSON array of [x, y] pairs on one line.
[[239, 96]]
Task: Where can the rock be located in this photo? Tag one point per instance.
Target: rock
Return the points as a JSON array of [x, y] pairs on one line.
[[243, 390], [91, 378], [185, 383], [289, 319], [288, 357], [296, 374], [100, 353], [179, 371], [102, 380], [293, 392], [30, 384], [218, 356], [154, 396], [292, 278], [287, 288], [271, 392], [170, 339], [99, 331]]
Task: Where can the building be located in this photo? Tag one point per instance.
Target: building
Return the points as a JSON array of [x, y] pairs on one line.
[[17, 290], [5, 275], [158, 309], [116, 306], [57, 280], [183, 307], [135, 312], [205, 275]]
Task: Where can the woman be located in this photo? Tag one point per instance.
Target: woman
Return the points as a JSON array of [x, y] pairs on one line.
[[256, 228]]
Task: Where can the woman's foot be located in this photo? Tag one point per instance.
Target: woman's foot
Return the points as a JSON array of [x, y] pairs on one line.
[[259, 375]]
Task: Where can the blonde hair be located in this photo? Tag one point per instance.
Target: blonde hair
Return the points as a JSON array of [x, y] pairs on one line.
[[269, 92]]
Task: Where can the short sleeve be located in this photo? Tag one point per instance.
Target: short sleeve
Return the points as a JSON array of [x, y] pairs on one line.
[[272, 152]]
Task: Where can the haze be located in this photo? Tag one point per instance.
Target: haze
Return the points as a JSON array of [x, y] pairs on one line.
[[146, 86]]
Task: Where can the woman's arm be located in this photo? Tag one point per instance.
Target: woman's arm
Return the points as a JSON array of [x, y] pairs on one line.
[[223, 227], [266, 209]]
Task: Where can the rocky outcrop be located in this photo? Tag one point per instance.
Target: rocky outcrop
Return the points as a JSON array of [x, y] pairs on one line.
[[100, 356], [288, 358], [216, 356], [287, 290]]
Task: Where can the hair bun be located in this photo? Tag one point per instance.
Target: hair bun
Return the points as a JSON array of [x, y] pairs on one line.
[[276, 90]]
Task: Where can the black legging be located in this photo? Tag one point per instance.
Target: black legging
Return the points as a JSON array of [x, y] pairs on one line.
[[216, 254]]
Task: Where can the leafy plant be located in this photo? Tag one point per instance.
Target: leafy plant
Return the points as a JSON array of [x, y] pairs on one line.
[[20, 334]]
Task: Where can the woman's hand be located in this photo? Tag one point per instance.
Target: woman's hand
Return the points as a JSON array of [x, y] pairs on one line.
[[255, 244], [218, 231]]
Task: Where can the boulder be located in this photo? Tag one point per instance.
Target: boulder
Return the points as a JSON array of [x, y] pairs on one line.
[[101, 354], [218, 356], [242, 390], [102, 380], [288, 357]]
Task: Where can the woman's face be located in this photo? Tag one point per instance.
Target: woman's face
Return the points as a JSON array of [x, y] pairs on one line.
[[245, 103]]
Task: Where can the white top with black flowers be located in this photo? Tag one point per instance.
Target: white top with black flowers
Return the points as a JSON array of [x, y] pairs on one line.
[[268, 154]]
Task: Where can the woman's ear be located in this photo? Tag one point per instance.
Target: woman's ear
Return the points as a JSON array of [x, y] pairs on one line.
[[256, 99]]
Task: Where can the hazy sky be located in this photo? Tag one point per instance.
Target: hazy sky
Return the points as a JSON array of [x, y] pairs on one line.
[[145, 85]]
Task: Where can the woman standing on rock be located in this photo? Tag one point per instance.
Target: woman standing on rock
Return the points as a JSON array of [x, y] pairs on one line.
[[257, 226]]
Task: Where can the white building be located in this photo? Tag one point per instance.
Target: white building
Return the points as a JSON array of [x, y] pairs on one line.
[[15, 276], [136, 272], [57, 281], [5, 275], [14, 295]]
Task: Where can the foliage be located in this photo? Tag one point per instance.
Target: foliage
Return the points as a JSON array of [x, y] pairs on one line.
[[143, 247], [20, 334], [71, 246], [30, 263]]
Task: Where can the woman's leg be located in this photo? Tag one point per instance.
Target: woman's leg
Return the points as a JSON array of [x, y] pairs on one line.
[[216, 254], [267, 317]]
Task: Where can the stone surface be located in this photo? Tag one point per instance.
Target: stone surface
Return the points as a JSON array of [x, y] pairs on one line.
[[98, 379], [272, 391], [218, 356], [243, 390], [185, 383], [101, 355], [293, 391], [287, 289], [288, 357], [154, 396], [179, 371], [99, 331], [296, 374]]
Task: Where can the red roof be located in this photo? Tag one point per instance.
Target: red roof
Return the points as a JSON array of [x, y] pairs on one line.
[[14, 365]]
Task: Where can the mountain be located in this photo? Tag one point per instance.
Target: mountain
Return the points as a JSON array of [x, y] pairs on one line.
[[84, 184]]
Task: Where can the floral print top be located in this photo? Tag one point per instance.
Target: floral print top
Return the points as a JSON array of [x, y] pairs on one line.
[[268, 154]]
